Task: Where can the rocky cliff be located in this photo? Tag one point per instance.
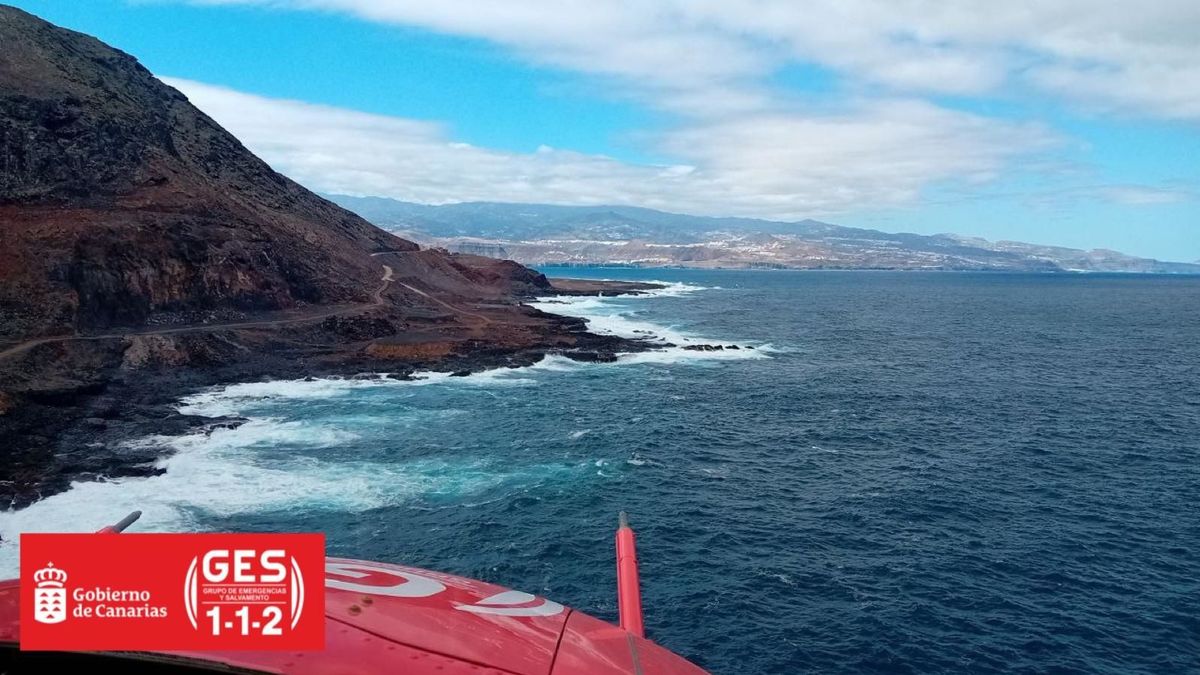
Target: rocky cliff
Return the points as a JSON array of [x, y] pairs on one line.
[[144, 250], [123, 204]]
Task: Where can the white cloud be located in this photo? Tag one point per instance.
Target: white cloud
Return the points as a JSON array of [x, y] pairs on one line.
[[1169, 93], [1123, 194], [768, 164], [711, 57], [741, 145], [1137, 195]]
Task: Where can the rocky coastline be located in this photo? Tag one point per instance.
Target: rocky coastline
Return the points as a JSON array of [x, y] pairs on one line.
[[145, 254], [81, 428]]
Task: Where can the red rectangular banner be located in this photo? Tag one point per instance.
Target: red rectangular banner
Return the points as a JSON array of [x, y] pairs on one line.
[[172, 591]]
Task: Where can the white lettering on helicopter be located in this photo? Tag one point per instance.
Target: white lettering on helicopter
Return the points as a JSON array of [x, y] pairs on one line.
[[409, 585], [505, 604], [413, 585]]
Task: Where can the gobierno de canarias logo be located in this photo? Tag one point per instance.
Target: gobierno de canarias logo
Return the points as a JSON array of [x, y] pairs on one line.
[[54, 601]]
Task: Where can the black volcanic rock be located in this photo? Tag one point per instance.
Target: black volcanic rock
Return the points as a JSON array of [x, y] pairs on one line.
[[710, 348]]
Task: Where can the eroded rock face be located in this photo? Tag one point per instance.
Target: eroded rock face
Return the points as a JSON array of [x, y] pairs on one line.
[[409, 352], [122, 203], [126, 208], [145, 252]]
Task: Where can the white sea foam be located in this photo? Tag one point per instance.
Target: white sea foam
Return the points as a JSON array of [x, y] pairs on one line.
[[233, 399], [219, 475], [224, 473], [607, 315], [555, 363], [638, 460], [620, 316]]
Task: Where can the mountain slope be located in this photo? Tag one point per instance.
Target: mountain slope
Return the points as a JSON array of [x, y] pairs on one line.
[[122, 205], [122, 202], [144, 252], [547, 234]]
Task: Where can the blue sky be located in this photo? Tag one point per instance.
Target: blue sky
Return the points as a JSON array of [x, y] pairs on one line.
[[1006, 123]]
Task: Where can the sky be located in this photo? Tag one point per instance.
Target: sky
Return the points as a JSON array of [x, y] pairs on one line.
[[1067, 122]]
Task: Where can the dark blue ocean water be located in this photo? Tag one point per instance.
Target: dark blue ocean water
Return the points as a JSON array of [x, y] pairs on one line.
[[912, 473]]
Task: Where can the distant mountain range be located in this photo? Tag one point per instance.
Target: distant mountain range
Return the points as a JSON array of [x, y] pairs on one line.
[[543, 234]]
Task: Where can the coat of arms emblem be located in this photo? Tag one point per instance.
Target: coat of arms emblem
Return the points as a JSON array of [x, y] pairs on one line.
[[50, 595]]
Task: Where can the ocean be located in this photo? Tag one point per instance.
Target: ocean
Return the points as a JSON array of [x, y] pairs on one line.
[[907, 473]]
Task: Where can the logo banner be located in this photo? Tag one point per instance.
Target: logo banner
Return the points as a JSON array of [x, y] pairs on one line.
[[103, 592]]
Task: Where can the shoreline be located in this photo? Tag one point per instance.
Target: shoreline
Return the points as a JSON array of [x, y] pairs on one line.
[[80, 431], [601, 287]]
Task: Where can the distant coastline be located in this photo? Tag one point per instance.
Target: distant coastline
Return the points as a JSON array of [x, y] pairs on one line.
[[751, 268], [547, 234]]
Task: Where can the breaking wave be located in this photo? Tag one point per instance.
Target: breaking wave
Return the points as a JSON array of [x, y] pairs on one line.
[[296, 448], [224, 472], [620, 316], [233, 399]]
